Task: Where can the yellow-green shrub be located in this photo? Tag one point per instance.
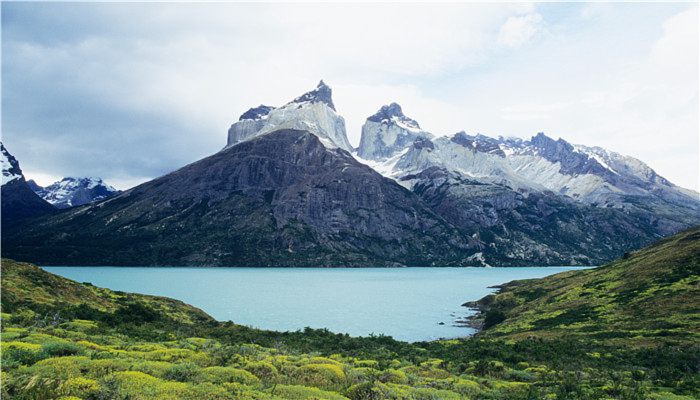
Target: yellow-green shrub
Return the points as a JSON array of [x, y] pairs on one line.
[[393, 376], [228, 375], [320, 375], [263, 370], [79, 387], [294, 392]]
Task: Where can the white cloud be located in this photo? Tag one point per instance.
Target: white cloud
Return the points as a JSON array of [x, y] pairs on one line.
[[517, 31], [133, 90]]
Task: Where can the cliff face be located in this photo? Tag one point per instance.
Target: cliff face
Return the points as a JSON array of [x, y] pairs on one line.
[[313, 112]]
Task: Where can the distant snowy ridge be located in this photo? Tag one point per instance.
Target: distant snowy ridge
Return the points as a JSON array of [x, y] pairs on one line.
[[72, 191], [588, 174]]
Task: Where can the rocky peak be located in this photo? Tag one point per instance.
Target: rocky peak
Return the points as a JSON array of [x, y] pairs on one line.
[[313, 112], [257, 113], [322, 94], [75, 191], [481, 143], [571, 162], [392, 113], [10, 166], [388, 132]]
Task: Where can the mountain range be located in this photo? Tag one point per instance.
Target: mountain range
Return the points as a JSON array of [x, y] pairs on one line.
[[288, 189], [73, 191]]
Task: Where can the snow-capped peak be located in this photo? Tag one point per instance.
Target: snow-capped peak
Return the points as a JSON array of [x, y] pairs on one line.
[[257, 113], [323, 94], [10, 166], [392, 114], [313, 112], [75, 191], [387, 133]]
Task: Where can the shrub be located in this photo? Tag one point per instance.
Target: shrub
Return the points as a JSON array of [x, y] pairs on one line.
[[393, 376], [493, 317], [467, 387], [185, 372], [228, 375], [320, 375], [263, 370], [363, 391], [61, 349], [79, 387], [154, 368], [19, 353], [294, 392]]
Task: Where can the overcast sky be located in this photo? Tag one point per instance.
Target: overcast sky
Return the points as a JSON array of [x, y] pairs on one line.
[[131, 91]]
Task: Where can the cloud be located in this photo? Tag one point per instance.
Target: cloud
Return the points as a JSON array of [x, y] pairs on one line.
[[128, 91], [517, 31]]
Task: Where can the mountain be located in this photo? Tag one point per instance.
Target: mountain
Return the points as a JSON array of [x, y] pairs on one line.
[[279, 199], [71, 192], [313, 112], [649, 293], [277, 195], [539, 200], [388, 132], [19, 202]]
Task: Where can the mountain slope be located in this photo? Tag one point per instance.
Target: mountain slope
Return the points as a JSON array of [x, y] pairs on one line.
[[280, 199], [650, 293], [538, 228], [19, 202], [71, 192]]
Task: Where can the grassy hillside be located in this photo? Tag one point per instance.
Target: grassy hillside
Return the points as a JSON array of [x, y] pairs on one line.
[[66, 340], [646, 295]]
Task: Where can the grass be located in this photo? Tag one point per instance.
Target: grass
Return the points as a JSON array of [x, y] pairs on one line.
[[627, 330]]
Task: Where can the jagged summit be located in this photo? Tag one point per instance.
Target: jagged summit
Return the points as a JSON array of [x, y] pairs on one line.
[[388, 132], [323, 94], [74, 191], [10, 166], [19, 202], [313, 112], [257, 113], [392, 113]]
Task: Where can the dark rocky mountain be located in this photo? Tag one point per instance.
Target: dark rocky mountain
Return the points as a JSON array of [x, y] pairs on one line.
[[286, 191], [540, 228], [281, 199], [322, 94], [256, 113], [19, 202], [71, 192]]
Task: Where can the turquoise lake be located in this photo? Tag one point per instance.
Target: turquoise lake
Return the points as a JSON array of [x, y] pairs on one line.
[[406, 303]]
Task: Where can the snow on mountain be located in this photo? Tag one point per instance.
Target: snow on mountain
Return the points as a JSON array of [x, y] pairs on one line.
[[313, 111], [10, 166], [18, 200], [588, 174], [70, 192], [387, 133]]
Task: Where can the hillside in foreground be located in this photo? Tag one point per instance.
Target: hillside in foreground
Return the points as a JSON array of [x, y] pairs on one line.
[[650, 293], [67, 340]]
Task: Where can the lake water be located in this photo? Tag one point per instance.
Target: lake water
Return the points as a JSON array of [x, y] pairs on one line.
[[406, 303]]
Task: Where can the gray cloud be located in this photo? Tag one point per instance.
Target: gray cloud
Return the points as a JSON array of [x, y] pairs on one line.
[[130, 91]]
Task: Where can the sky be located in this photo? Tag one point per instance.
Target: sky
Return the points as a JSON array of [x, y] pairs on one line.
[[131, 91]]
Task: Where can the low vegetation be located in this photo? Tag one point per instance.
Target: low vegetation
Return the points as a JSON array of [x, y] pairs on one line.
[[66, 340]]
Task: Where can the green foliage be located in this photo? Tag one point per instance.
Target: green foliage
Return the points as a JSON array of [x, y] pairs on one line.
[[74, 341]]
